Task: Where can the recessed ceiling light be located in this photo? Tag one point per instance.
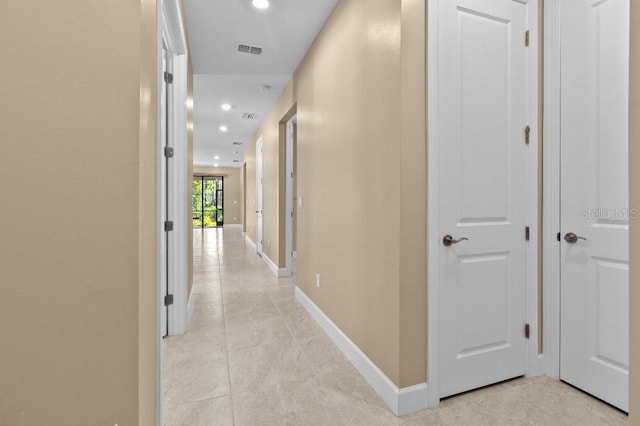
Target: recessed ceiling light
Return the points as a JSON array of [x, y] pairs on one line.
[[260, 4], [226, 107], [215, 165], [223, 128], [217, 157]]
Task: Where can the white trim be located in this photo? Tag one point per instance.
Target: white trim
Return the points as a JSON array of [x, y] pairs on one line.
[[190, 306], [260, 196], [278, 272], [232, 225], [249, 242], [540, 365], [400, 400], [551, 189], [171, 23], [532, 195], [433, 216], [288, 251], [170, 32], [180, 198], [433, 241]]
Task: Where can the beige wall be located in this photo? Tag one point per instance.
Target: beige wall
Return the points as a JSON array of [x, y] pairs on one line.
[[634, 188], [78, 229], [360, 160], [232, 191]]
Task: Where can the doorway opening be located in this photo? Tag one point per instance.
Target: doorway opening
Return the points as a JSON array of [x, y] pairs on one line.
[[208, 201]]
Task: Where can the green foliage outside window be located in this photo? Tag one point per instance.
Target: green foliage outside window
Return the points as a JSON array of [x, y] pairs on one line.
[[207, 201]]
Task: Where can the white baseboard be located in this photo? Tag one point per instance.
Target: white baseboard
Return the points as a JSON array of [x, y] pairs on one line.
[[232, 225], [190, 307], [278, 272], [541, 366], [250, 243], [400, 400]]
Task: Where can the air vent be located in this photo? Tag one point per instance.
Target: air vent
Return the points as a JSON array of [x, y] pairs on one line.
[[236, 161], [249, 116], [247, 48], [237, 143]]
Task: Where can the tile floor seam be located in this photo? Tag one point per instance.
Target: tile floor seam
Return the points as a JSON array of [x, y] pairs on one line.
[[226, 338], [315, 371]]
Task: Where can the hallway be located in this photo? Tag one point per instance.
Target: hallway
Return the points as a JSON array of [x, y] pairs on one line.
[[253, 356]]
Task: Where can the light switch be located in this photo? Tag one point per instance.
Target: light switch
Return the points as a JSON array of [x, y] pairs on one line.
[[300, 201]]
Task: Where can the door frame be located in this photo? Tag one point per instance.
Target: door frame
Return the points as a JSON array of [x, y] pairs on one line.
[[433, 232], [289, 177], [171, 33], [260, 196], [551, 189]]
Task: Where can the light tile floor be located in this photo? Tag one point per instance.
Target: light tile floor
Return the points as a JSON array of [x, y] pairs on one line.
[[253, 356]]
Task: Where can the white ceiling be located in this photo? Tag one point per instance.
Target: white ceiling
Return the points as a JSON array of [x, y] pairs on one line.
[[221, 75]]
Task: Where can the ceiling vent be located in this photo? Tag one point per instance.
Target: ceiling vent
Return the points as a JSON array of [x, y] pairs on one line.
[[249, 116], [237, 143], [247, 48], [236, 161]]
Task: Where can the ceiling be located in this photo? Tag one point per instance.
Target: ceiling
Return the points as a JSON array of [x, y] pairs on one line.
[[222, 75]]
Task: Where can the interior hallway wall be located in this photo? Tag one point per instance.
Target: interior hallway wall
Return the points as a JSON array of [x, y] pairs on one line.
[[364, 71], [78, 185], [634, 202], [232, 196]]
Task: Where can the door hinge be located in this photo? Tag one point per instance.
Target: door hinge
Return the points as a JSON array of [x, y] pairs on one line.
[[527, 233], [168, 226], [527, 331], [526, 38], [558, 237], [291, 214], [168, 300], [168, 77], [168, 151], [527, 134]]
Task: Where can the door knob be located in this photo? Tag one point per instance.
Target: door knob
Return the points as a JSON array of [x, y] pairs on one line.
[[448, 240], [572, 238]]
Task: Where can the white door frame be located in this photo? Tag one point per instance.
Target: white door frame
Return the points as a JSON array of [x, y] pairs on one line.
[[260, 195], [171, 33], [551, 189], [289, 198], [433, 237]]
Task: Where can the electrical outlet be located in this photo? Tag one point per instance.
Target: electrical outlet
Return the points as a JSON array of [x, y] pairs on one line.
[[318, 280]]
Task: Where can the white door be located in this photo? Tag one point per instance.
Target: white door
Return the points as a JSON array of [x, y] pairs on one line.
[[259, 183], [594, 198], [482, 115]]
